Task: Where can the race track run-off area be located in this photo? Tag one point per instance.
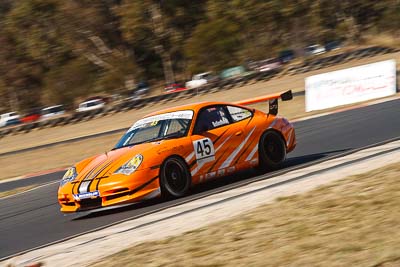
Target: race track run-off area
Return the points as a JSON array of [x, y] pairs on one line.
[[32, 219]]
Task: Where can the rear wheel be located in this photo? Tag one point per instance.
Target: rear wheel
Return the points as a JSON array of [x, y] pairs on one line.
[[272, 151], [175, 178]]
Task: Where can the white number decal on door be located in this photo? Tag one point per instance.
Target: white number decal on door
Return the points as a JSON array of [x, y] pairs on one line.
[[204, 149]]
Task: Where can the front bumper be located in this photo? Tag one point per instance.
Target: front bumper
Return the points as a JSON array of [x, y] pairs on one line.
[[113, 190]]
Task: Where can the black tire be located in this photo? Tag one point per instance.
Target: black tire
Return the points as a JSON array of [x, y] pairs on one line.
[[271, 150], [175, 178]]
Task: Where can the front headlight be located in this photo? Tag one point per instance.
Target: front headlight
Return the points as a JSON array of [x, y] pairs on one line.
[[129, 167], [69, 176]]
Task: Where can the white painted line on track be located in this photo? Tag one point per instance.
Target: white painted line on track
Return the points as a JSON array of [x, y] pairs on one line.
[[29, 190], [30, 176]]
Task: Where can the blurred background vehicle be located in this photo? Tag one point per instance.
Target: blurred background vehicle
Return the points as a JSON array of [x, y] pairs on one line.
[[271, 65], [91, 105], [10, 118], [200, 79], [105, 98], [174, 87], [315, 49], [31, 116], [142, 89], [236, 74], [285, 56], [232, 73], [333, 45], [52, 111]]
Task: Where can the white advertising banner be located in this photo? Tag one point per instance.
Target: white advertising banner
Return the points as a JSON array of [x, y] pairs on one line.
[[350, 85]]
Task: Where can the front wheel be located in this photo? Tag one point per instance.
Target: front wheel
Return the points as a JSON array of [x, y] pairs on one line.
[[175, 178], [272, 151]]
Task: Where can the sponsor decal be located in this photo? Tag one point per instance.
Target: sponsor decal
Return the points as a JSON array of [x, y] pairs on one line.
[[211, 175], [86, 195], [221, 172], [222, 121], [350, 85]]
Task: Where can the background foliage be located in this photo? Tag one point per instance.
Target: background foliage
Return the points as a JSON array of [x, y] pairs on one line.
[[55, 52]]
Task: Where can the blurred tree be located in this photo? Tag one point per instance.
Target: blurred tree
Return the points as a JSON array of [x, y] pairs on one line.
[[115, 43], [213, 46], [159, 28], [37, 28], [94, 34], [66, 83], [142, 21], [390, 19], [19, 74]]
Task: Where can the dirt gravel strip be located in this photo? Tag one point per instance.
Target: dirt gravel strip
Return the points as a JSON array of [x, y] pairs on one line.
[[88, 248]]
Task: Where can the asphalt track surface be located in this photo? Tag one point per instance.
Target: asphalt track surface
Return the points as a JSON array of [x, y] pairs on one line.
[[33, 219]]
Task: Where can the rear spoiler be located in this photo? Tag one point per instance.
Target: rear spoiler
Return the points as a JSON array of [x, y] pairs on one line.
[[272, 100]]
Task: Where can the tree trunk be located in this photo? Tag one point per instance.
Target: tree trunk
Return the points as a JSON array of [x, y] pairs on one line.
[[13, 97], [161, 34], [167, 64]]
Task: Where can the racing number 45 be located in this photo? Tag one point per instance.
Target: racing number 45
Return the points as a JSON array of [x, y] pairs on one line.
[[203, 148]]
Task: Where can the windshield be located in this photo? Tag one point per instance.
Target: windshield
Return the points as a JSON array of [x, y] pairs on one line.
[[93, 103], [163, 126], [50, 110], [142, 85]]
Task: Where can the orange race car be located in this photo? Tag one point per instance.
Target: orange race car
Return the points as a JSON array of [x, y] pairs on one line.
[[167, 152]]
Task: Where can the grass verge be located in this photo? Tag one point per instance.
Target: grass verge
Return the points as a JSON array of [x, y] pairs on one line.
[[353, 222]]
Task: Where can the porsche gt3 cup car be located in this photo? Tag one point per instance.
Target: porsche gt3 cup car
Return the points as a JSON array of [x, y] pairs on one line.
[[167, 152]]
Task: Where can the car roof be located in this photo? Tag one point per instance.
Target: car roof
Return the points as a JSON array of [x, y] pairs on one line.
[[50, 107], [8, 113], [203, 73], [93, 100], [195, 107]]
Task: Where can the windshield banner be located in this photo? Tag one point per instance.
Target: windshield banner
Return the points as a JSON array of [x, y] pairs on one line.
[[182, 114]]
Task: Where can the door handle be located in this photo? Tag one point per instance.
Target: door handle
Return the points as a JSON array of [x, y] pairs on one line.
[[238, 133]]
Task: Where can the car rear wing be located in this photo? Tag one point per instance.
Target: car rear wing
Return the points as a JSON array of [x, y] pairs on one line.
[[272, 100]]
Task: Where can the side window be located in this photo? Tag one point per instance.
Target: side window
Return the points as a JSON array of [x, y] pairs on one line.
[[176, 126], [238, 113], [210, 118]]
